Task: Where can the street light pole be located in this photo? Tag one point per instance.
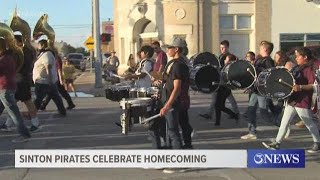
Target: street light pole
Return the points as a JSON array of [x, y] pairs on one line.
[[97, 44]]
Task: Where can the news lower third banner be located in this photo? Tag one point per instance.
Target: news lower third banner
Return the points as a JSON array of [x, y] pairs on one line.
[[159, 158]]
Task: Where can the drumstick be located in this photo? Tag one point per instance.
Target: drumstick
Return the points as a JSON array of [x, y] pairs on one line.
[[151, 77], [248, 69], [114, 75], [153, 117], [285, 83]]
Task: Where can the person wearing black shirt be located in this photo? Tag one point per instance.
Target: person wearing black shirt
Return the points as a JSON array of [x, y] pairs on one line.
[[175, 90], [262, 63]]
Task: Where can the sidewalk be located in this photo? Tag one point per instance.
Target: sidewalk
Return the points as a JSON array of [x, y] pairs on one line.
[[86, 83]]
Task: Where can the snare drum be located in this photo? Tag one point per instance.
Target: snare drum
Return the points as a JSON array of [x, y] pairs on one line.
[[276, 82], [239, 74], [133, 93], [142, 92], [119, 92], [204, 78], [140, 107], [152, 91]]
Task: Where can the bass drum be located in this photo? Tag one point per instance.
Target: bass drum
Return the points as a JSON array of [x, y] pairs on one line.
[[205, 58], [239, 74], [276, 82], [204, 78]]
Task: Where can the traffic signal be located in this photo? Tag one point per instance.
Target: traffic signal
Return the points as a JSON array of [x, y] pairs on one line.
[[105, 37]]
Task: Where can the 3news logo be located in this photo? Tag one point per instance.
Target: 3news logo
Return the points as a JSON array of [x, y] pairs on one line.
[[291, 158]]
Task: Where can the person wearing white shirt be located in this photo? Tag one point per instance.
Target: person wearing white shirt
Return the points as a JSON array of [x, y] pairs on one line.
[[145, 66]]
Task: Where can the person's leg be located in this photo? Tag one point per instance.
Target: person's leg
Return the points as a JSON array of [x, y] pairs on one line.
[[57, 99], [73, 88], [41, 90], [9, 102], [288, 114], [233, 103], [262, 102], [45, 102], [252, 113], [185, 127], [172, 119], [211, 110], [32, 112], [65, 95], [307, 116]]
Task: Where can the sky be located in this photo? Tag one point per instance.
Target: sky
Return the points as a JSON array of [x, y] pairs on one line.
[[70, 19]]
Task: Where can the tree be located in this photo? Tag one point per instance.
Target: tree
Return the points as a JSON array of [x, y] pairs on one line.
[[82, 50]]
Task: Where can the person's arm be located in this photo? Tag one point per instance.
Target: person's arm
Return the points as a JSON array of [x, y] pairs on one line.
[[306, 87], [60, 76], [48, 61], [48, 70]]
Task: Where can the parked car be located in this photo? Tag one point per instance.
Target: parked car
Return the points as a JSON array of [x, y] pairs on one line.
[[78, 60]]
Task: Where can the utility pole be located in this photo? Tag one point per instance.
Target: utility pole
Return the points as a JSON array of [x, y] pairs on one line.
[[91, 51], [97, 44], [198, 24]]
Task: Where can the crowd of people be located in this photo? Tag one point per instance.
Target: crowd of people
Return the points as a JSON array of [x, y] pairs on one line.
[[44, 70], [52, 79]]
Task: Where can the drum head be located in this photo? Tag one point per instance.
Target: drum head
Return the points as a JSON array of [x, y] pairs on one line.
[[240, 74], [275, 87], [205, 58], [206, 79], [278, 83]]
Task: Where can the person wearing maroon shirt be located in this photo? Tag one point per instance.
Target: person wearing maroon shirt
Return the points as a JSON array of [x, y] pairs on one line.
[[7, 91], [161, 59], [300, 101], [23, 92]]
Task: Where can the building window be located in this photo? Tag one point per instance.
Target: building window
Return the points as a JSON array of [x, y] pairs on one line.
[[235, 22], [243, 22], [226, 22], [290, 41]]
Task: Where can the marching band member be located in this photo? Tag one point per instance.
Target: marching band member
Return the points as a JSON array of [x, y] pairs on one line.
[[223, 93], [23, 92], [7, 90], [261, 64], [224, 49], [145, 66], [300, 101]]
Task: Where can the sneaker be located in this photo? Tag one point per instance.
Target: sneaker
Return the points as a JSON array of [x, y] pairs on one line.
[[5, 128], [249, 136], [71, 107], [314, 149], [273, 145], [174, 170], [206, 116], [20, 139], [34, 129]]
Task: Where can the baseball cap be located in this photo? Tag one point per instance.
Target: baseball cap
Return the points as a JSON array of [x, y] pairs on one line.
[[177, 42]]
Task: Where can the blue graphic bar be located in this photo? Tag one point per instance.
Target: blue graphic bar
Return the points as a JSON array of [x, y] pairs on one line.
[[289, 158]]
